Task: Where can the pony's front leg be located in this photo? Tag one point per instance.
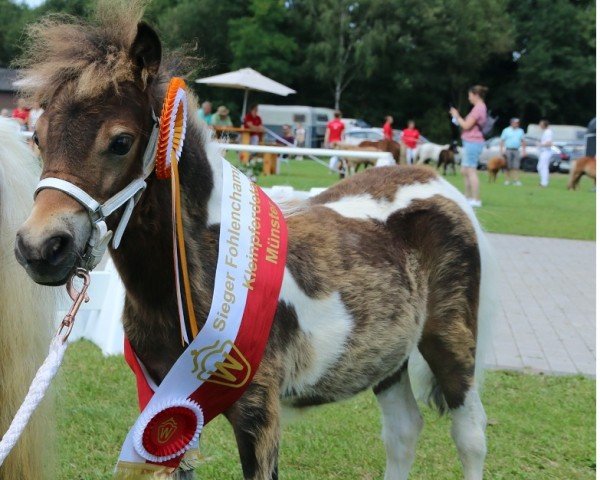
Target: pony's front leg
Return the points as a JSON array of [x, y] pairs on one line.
[[255, 421]]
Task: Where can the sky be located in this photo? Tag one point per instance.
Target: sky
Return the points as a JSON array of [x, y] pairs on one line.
[[33, 3]]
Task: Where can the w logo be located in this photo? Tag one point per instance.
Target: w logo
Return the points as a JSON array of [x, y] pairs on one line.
[[166, 430], [231, 369]]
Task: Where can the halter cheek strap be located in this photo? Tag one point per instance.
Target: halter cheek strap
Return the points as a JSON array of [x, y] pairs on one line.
[[98, 213]]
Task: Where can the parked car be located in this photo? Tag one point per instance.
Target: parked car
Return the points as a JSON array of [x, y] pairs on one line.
[[354, 136], [529, 161], [351, 123]]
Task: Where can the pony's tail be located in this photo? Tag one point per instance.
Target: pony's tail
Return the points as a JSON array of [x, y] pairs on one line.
[[488, 304], [424, 384]]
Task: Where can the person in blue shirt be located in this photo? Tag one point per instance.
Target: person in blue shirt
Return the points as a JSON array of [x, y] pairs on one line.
[[205, 113], [511, 139]]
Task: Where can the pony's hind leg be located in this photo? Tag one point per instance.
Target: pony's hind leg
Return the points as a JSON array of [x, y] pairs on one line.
[[402, 424], [468, 432]]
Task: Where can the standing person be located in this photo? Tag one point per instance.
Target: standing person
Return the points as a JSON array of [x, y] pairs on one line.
[[472, 140], [253, 122], [21, 114], [300, 137], [335, 129], [512, 138], [205, 112], [388, 133], [333, 136], [410, 138], [545, 153]]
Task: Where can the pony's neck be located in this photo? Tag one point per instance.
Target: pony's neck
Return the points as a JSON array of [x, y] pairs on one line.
[[145, 256]]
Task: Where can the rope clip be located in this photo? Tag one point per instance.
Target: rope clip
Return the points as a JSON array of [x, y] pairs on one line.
[[78, 297]]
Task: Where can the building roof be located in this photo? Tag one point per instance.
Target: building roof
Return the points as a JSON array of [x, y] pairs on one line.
[[7, 77]]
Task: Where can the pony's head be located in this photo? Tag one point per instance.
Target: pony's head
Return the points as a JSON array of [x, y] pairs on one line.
[[95, 82]]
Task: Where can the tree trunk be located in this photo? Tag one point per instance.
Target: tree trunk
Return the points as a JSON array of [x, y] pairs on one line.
[[338, 95], [340, 59]]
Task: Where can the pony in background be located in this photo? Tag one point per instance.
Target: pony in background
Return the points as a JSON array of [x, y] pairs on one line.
[[26, 313], [582, 166]]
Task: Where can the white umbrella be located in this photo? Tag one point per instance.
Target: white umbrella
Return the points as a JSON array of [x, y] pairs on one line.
[[247, 79]]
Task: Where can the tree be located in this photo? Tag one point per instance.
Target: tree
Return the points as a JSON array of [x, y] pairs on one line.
[[551, 72], [338, 51], [12, 20], [260, 40], [201, 28]]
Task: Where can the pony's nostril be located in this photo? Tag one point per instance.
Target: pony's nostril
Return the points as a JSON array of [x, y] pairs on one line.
[[21, 249], [57, 248]]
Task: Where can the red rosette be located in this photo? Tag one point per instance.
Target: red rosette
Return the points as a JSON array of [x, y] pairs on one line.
[[168, 431]]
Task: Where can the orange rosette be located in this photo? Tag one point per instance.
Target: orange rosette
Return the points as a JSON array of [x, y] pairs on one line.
[[172, 128]]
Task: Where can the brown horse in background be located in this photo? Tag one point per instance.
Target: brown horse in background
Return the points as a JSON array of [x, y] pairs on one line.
[[385, 145], [582, 166]]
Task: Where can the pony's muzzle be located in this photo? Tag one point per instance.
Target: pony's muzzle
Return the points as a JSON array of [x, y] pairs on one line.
[[49, 244], [49, 260]]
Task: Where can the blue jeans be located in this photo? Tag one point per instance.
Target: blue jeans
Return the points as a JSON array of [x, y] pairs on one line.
[[471, 153]]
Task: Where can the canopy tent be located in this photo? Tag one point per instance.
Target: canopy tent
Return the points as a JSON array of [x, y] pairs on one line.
[[247, 79]]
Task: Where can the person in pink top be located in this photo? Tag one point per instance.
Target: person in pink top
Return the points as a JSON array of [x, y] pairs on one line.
[[472, 140]]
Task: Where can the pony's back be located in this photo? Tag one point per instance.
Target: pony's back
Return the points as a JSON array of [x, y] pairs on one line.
[[26, 312]]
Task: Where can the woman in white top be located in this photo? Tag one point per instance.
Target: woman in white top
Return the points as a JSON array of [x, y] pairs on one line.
[[545, 153]]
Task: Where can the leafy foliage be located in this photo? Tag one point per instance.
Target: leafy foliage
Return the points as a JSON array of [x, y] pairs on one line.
[[408, 58]]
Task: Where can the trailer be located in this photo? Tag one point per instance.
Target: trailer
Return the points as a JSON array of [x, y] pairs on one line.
[[313, 119]]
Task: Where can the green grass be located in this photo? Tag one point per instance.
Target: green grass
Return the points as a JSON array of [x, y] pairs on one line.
[[540, 427], [527, 210]]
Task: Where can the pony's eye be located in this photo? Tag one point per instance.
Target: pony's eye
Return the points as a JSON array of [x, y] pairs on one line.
[[121, 145], [36, 139]]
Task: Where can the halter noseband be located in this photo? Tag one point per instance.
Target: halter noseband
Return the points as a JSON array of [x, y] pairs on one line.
[[98, 213]]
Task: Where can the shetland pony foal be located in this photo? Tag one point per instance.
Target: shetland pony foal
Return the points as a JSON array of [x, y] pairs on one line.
[[26, 313], [383, 266]]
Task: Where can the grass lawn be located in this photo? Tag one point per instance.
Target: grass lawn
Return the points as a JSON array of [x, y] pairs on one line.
[[526, 210], [540, 427]]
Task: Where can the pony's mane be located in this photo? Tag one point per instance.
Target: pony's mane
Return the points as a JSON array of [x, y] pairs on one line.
[[93, 55], [27, 311]]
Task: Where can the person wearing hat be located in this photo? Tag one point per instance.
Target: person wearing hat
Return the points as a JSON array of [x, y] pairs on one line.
[[221, 118], [511, 139]]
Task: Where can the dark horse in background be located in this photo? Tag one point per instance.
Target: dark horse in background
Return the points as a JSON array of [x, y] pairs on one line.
[[385, 274]]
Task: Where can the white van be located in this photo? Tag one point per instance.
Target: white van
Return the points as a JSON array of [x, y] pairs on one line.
[[314, 120]]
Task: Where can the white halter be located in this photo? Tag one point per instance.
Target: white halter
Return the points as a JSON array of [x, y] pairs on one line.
[[98, 213]]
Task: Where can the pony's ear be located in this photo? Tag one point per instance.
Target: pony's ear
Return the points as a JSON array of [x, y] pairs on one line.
[[146, 52]]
